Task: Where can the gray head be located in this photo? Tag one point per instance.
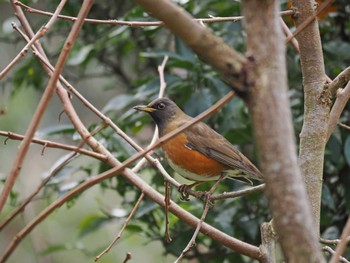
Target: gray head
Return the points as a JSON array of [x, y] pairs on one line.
[[162, 111]]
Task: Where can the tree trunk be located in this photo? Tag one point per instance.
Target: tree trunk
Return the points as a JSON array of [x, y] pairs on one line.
[[316, 106], [270, 111]]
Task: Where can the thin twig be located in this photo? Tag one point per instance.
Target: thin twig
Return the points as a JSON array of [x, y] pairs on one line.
[[133, 211], [332, 241], [127, 257], [56, 145], [342, 244], [138, 23], [235, 194], [343, 96], [340, 81], [39, 112], [208, 204], [332, 252], [167, 204], [344, 126]]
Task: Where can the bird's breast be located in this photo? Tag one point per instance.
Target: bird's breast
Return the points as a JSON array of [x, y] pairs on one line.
[[190, 163]]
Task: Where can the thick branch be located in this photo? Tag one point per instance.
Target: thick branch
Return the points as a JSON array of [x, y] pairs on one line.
[[269, 106], [317, 104]]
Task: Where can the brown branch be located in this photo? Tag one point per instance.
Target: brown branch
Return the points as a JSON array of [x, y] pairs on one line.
[[56, 145], [344, 126], [208, 204], [39, 112], [167, 204], [344, 239], [340, 81], [268, 97], [235, 194], [127, 257], [133, 211], [332, 241], [268, 240], [343, 96], [138, 23]]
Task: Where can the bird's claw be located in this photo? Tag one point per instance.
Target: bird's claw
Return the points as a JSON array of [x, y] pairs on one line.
[[185, 196]]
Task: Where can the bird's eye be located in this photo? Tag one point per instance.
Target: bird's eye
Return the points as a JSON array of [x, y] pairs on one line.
[[161, 106]]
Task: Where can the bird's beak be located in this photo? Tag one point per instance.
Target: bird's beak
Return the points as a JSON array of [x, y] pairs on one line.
[[144, 108]]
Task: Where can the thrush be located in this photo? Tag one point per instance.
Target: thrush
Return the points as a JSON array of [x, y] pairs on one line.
[[198, 153]]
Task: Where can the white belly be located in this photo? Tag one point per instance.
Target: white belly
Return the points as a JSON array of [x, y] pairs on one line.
[[191, 176]]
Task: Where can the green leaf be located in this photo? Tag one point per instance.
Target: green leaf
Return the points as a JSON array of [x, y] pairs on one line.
[[91, 223], [57, 129], [327, 198], [347, 150], [53, 249], [80, 56]]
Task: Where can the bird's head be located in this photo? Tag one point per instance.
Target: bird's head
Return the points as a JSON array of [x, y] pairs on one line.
[[162, 111]]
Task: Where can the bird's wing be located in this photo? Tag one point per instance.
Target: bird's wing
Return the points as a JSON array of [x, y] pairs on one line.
[[208, 142]]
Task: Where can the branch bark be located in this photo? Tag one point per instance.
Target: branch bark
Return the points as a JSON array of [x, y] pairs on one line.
[[316, 106], [269, 106]]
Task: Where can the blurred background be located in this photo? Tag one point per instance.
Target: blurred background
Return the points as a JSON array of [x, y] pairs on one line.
[[115, 68]]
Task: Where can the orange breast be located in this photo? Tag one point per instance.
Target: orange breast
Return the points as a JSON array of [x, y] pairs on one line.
[[190, 160]]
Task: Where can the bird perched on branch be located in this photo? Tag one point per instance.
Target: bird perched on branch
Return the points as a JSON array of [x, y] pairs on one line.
[[198, 153]]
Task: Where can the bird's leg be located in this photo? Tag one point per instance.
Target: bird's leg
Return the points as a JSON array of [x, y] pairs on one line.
[[183, 190], [207, 195]]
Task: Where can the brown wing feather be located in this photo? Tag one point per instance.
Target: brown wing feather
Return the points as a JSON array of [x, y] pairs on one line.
[[205, 140]]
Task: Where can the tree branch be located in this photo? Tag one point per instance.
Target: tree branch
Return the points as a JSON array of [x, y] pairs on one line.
[[317, 103], [56, 145], [23, 148], [343, 96], [272, 119], [138, 23]]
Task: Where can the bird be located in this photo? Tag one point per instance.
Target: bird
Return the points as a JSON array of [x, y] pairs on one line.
[[198, 153]]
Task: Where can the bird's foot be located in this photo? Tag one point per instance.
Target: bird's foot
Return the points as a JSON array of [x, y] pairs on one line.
[[183, 190]]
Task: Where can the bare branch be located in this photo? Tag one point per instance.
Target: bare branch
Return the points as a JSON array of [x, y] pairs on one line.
[[208, 204], [235, 194], [56, 145], [133, 211], [340, 81], [127, 257], [332, 241], [138, 23], [343, 96], [344, 126]]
